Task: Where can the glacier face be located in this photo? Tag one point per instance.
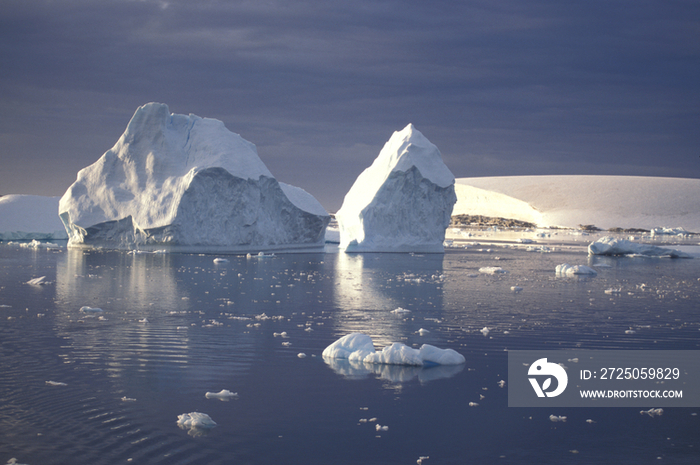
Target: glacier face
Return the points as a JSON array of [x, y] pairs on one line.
[[403, 202], [186, 181]]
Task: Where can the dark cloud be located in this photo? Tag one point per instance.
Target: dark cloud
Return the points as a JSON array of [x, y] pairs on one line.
[[502, 88]]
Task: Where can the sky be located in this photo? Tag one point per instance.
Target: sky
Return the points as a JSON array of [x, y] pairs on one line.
[[512, 87]]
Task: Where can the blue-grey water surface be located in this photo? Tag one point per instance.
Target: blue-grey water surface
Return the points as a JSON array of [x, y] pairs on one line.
[[175, 326]]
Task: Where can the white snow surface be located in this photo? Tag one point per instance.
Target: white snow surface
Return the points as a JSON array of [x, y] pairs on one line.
[[402, 202], [610, 245], [358, 347], [186, 181], [30, 217], [643, 202]]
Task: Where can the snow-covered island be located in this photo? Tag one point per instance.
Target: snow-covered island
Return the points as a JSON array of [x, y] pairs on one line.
[[642, 202], [187, 182], [402, 202], [30, 217]]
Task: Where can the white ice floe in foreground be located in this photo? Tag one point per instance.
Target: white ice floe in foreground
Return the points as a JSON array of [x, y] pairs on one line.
[[570, 270], [224, 394], [195, 423], [402, 202], [609, 245], [568, 201], [185, 181], [359, 347], [28, 217]]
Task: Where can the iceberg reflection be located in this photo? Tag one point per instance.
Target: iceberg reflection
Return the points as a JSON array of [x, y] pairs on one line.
[[393, 373]]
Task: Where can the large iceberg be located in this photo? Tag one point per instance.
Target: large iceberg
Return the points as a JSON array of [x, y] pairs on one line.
[[30, 217], [186, 181], [610, 245], [403, 202]]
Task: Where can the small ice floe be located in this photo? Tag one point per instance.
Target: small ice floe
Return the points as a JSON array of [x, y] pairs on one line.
[[86, 309], [571, 270], [144, 321], [195, 423], [613, 290], [630, 331], [283, 334], [421, 458], [589, 421], [501, 383], [379, 427], [221, 260], [652, 412], [473, 404], [485, 330], [400, 311], [609, 245], [160, 251], [286, 343], [5, 306], [557, 419], [224, 394], [516, 289], [422, 332], [301, 355], [523, 240], [56, 383], [37, 281], [128, 399], [492, 270], [13, 461]]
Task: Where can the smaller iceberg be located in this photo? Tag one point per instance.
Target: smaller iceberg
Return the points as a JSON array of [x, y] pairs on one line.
[[195, 423], [224, 395], [570, 270], [359, 347], [609, 245]]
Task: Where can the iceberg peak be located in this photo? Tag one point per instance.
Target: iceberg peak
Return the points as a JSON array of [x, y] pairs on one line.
[[402, 202]]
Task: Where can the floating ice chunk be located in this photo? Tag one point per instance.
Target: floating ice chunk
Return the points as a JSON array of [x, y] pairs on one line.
[[523, 240], [354, 346], [557, 419], [421, 458], [283, 334], [473, 404], [613, 290], [492, 270], [56, 383], [485, 330], [86, 309], [145, 320], [400, 311], [653, 412], [609, 245], [516, 289], [571, 270], [128, 399], [195, 422], [13, 461], [501, 383], [379, 427], [422, 332], [630, 331], [359, 347], [39, 280], [221, 260], [301, 355], [589, 421], [224, 394], [669, 232]]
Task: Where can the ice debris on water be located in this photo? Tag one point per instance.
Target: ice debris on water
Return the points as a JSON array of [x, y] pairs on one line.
[[589, 421], [39, 280], [516, 289], [473, 404], [571, 270], [652, 412], [557, 419], [13, 461], [56, 383], [379, 427], [421, 458], [359, 347], [609, 245], [613, 290], [128, 399], [221, 260], [86, 309], [485, 330], [224, 394], [492, 270], [195, 422], [301, 355], [422, 331], [501, 383], [400, 311]]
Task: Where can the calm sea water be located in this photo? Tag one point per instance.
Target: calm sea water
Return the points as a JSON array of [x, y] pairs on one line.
[[175, 326]]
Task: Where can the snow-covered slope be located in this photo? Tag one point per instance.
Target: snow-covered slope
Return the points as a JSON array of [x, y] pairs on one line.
[[29, 217], [186, 181], [402, 202], [568, 201]]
